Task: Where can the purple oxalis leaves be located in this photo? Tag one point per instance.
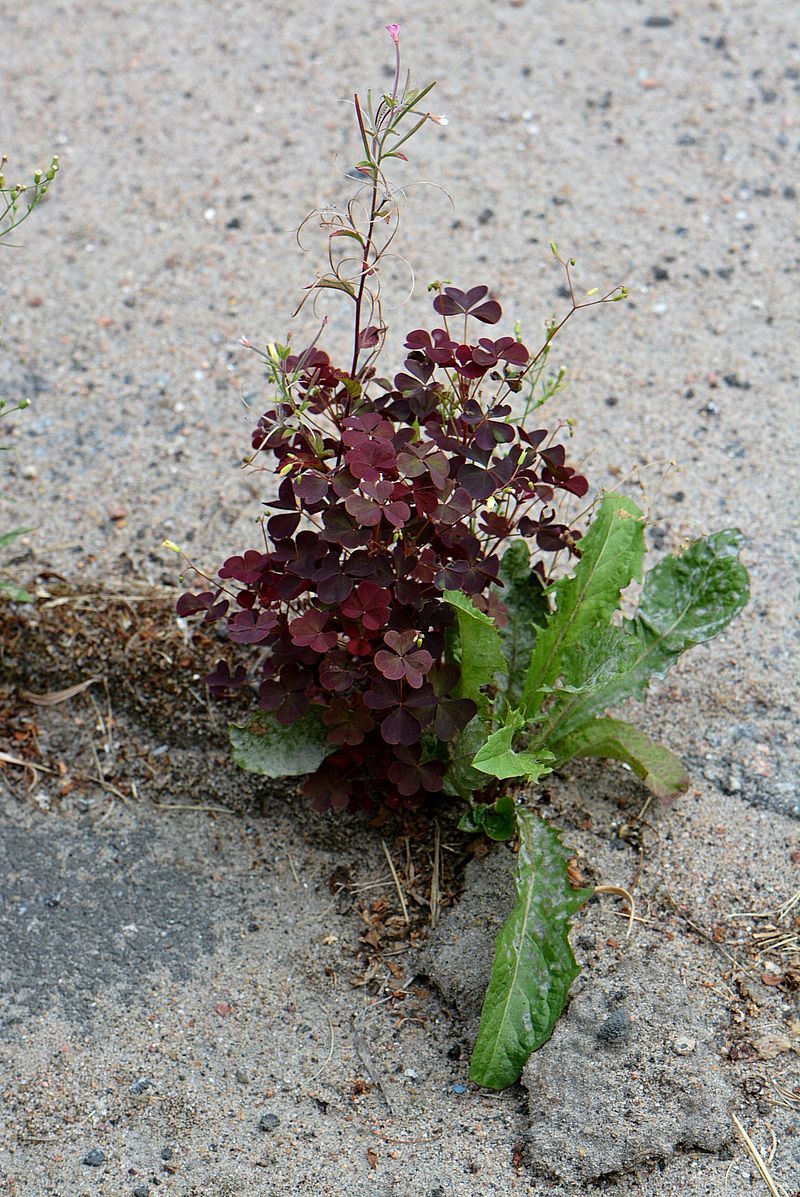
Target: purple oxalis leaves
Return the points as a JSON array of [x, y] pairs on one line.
[[389, 493]]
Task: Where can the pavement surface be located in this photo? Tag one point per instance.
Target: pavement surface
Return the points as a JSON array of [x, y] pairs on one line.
[[169, 980]]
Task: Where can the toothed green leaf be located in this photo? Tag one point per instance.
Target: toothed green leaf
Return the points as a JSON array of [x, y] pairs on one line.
[[686, 600], [481, 656], [461, 779], [533, 965], [525, 597], [661, 770], [498, 758], [612, 553]]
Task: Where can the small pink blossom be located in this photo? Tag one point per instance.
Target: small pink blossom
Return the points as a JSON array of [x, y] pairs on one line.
[[394, 33], [440, 119]]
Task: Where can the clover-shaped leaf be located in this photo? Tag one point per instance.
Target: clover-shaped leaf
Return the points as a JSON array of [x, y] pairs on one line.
[[453, 302], [402, 659]]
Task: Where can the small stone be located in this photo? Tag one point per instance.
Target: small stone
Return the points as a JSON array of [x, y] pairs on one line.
[[684, 1045], [241, 1077], [658, 22], [269, 1122], [139, 1086], [141, 1191], [732, 783], [166, 1154], [617, 1027], [94, 1158], [734, 381]]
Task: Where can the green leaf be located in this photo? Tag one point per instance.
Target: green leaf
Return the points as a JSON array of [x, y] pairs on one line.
[[612, 553], [481, 655], [525, 596], [16, 593], [533, 965], [602, 654], [686, 600], [8, 538], [691, 598], [472, 819], [266, 747], [498, 758], [498, 821], [461, 780], [661, 770]]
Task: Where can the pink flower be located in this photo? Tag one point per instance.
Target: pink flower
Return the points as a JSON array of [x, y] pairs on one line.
[[394, 33]]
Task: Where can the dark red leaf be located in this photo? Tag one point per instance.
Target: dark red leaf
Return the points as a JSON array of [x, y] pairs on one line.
[[247, 628]]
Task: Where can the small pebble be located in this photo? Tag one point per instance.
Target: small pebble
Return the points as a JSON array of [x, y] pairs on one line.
[[139, 1086], [166, 1154], [684, 1045], [268, 1122], [616, 1028], [141, 1191], [94, 1158]]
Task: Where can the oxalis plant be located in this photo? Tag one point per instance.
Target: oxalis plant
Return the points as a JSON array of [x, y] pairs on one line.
[[420, 616]]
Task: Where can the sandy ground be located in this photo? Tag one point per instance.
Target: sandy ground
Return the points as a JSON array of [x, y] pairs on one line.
[[658, 145]]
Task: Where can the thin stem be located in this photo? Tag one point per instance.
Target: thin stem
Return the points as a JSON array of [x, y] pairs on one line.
[[365, 264]]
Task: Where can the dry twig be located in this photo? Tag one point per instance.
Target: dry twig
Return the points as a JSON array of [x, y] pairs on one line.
[[759, 1161], [396, 880]]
